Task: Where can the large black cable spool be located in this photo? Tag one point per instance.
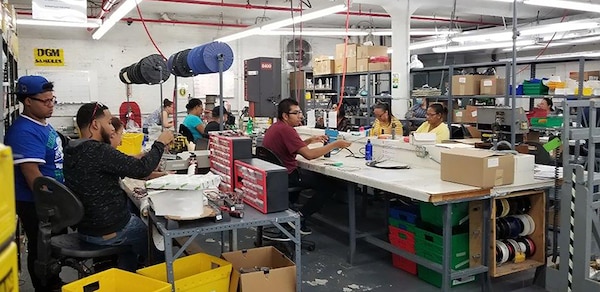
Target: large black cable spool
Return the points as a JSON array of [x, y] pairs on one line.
[[150, 70]]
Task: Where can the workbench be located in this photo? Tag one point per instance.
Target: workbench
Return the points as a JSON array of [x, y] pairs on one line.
[[421, 182]]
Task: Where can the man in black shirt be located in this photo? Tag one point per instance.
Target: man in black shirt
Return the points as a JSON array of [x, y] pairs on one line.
[[214, 125], [93, 170]]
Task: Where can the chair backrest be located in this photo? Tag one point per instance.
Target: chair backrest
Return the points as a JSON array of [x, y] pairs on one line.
[[183, 130], [201, 144], [541, 155], [56, 204], [267, 155]]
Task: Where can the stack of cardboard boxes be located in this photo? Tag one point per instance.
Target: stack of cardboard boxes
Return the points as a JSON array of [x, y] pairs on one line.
[[477, 85], [360, 58]]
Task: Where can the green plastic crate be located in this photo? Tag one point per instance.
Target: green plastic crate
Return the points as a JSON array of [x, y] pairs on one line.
[[534, 88], [550, 122], [430, 245], [433, 215], [402, 224], [435, 278]]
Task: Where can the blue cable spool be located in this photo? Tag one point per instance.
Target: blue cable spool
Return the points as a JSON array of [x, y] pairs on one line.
[[170, 63], [203, 59]]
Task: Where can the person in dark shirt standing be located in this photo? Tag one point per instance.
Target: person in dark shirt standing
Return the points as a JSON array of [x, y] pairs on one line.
[[93, 170], [39, 152]]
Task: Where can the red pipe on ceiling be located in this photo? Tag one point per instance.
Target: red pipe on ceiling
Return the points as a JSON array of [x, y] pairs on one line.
[[232, 5], [219, 24]]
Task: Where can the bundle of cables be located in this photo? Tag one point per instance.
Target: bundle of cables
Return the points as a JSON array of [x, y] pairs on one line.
[[513, 228]]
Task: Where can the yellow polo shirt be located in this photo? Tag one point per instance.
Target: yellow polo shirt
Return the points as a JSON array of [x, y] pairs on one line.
[[441, 131], [387, 129]]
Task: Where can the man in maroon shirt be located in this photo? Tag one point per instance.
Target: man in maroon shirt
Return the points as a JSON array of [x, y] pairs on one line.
[[284, 141]]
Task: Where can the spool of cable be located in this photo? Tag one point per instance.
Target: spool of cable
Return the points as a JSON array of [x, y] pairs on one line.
[[182, 65], [515, 227], [151, 69], [526, 204], [499, 209], [511, 250], [531, 244], [504, 254], [531, 223], [203, 59], [526, 225], [503, 229], [514, 206], [505, 207]]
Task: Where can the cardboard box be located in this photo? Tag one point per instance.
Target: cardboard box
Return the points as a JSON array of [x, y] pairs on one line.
[[470, 114], [479, 168], [362, 65], [371, 51], [350, 65], [384, 66], [323, 66], [350, 51], [492, 86], [466, 84], [587, 75], [457, 115], [281, 276], [524, 168]]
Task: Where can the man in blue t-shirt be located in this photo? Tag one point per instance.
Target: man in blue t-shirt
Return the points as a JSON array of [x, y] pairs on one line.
[[193, 121], [38, 152]]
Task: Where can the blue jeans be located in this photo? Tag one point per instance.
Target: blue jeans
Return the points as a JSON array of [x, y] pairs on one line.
[[134, 234]]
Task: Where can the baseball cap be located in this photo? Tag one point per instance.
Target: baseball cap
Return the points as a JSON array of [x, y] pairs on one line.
[[216, 111], [31, 85]]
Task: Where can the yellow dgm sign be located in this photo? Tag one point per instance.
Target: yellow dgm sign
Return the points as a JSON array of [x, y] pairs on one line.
[[48, 57]]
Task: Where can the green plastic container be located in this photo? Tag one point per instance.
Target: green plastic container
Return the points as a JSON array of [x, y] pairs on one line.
[[547, 122], [534, 88], [433, 215], [402, 224], [435, 278]]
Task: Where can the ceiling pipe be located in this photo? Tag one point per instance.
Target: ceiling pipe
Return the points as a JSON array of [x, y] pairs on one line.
[[232, 5], [203, 23]]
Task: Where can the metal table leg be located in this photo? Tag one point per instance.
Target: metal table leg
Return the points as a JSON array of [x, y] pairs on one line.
[[233, 240], [485, 228], [298, 254], [446, 259], [351, 222], [169, 260]]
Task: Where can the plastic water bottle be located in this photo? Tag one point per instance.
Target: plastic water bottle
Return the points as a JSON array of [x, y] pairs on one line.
[[328, 154], [369, 151], [192, 167], [249, 127]]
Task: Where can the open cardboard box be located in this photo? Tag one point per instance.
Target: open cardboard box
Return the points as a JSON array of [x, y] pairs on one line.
[[281, 275], [479, 168]]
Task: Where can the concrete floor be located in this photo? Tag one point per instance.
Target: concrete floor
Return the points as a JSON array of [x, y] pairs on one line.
[[326, 269]]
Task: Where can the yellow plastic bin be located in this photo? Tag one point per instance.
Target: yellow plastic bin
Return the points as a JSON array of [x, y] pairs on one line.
[[197, 272], [131, 143], [9, 269], [115, 280], [8, 217]]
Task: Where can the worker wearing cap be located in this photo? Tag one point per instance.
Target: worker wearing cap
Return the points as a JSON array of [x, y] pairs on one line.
[[38, 152]]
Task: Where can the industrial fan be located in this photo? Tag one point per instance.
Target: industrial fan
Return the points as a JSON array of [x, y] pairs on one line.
[[298, 53]]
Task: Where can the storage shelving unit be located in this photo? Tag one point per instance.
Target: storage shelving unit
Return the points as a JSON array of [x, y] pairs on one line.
[[9, 108]]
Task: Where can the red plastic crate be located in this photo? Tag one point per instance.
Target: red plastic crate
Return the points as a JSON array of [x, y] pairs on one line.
[[404, 264], [404, 237]]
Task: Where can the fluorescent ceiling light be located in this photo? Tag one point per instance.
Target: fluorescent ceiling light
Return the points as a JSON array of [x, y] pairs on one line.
[[272, 25], [304, 17], [115, 17], [428, 44], [526, 31], [554, 56], [569, 5], [91, 23], [475, 47]]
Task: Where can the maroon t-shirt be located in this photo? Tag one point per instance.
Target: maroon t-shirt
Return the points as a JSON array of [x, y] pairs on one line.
[[285, 142]]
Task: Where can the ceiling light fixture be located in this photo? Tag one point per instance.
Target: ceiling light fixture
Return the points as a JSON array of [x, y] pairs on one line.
[[526, 31], [562, 4], [115, 17], [428, 44], [475, 47], [263, 28], [91, 23]]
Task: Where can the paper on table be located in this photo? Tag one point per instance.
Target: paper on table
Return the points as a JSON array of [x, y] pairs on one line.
[[453, 145], [311, 119], [184, 182], [177, 203], [332, 120], [546, 171]]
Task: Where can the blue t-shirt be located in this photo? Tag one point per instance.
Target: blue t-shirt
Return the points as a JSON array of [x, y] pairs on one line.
[[32, 141], [191, 121]]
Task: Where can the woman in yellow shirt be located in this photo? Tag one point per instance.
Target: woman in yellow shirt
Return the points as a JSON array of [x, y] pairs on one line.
[[384, 120], [436, 113]]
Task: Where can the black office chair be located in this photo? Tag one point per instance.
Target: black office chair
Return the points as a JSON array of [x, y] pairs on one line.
[[293, 192], [183, 130], [58, 208], [541, 155]]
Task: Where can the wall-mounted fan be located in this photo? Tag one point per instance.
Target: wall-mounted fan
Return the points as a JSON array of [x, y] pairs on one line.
[[298, 53]]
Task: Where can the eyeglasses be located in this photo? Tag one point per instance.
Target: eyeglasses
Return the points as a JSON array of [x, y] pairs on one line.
[[46, 102], [295, 113]]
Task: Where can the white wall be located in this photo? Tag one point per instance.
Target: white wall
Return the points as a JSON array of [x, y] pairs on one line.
[[124, 45]]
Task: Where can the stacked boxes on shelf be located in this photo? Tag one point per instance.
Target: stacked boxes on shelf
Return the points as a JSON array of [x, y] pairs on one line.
[[429, 241], [225, 147], [9, 271], [263, 184], [403, 218]]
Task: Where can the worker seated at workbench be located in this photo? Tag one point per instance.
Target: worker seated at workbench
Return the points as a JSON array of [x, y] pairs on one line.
[[343, 123], [283, 140], [93, 170], [436, 113], [385, 121]]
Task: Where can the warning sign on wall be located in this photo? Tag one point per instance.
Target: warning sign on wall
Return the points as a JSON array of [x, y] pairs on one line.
[[48, 57]]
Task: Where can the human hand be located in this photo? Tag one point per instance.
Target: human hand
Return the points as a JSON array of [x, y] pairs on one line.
[[342, 143], [166, 137], [319, 139]]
